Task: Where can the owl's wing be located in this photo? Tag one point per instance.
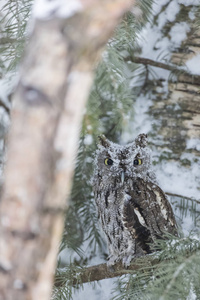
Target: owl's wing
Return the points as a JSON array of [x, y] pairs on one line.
[[148, 212], [136, 225]]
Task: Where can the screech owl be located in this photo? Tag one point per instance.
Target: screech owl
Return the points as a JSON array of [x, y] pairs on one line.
[[132, 208]]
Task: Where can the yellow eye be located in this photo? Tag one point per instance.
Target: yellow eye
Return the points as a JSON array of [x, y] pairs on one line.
[[108, 162], [137, 162]]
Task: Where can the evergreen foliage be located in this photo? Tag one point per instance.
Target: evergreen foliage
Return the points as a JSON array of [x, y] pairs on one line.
[[176, 276], [13, 21], [14, 15]]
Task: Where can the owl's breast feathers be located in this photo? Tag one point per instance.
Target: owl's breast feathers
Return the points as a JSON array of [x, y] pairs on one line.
[[147, 214], [133, 216]]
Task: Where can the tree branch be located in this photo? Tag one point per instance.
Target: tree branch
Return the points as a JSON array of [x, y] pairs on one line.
[[147, 61], [181, 196], [99, 272], [7, 40]]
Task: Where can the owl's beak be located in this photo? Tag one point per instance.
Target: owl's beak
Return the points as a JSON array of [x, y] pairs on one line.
[[122, 177]]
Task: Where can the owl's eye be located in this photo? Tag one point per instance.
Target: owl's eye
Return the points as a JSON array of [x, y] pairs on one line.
[[137, 162], [108, 162]]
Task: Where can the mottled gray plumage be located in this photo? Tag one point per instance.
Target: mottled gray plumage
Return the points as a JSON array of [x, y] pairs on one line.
[[132, 208]]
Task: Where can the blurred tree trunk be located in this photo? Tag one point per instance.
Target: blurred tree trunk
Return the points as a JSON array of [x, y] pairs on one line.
[[180, 112], [55, 79]]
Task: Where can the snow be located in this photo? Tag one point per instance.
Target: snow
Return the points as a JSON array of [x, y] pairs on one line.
[[191, 14], [45, 9], [179, 32], [192, 295], [157, 6], [189, 2], [193, 144], [68, 255], [193, 65], [97, 291], [137, 12], [142, 123], [177, 179], [158, 47], [88, 139], [171, 11]]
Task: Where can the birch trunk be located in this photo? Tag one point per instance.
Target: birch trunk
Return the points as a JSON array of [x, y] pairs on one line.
[[179, 114]]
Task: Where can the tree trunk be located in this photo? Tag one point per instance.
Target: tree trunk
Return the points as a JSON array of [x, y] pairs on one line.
[[55, 79], [179, 114]]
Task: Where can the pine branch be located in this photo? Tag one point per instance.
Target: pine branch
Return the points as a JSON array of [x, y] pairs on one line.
[[147, 61], [99, 272], [8, 40], [171, 256], [181, 196]]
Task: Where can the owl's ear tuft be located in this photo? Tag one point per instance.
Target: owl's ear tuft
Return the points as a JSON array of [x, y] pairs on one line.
[[103, 141], [141, 140]]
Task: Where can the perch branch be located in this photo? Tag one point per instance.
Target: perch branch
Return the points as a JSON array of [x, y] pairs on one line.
[[99, 272]]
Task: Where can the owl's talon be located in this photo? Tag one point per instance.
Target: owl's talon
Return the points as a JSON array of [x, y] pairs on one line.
[[126, 261], [110, 264]]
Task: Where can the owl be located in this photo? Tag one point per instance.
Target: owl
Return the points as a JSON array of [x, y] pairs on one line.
[[132, 208]]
